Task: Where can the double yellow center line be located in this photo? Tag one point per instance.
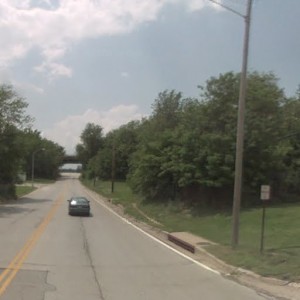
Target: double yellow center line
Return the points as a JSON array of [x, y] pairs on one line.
[[13, 268]]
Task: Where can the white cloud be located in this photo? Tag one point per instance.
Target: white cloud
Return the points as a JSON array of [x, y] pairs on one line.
[[54, 70], [6, 77], [54, 53], [53, 26], [67, 132], [26, 87], [197, 4], [125, 74]]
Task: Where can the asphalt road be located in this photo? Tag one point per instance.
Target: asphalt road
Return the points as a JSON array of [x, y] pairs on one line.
[[47, 254]]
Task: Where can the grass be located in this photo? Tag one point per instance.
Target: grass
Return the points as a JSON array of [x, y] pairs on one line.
[[22, 190], [42, 180], [122, 195], [26, 187], [281, 255]]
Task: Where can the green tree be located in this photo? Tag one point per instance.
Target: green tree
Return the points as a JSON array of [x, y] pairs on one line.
[[218, 130], [123, 141], [288, 181], [187, 147], [91, 142], [13, 119], [151, 168], [47, 162], [166, 109], [12, 109], [264, 127]]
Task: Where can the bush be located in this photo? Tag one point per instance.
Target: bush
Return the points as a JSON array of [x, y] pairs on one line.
[[7, 191]]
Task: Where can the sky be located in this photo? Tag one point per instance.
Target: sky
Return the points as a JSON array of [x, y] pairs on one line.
[[106, 61]]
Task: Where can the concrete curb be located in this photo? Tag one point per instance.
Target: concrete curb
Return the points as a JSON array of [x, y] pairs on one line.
[[180, 242]]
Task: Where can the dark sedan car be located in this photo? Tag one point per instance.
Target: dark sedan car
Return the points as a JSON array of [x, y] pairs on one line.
[[79, 206]]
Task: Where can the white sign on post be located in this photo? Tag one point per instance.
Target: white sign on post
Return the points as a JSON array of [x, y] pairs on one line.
[[265, 191]]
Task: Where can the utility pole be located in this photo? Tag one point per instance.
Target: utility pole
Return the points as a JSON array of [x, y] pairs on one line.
[[238, 181], [32, 165], [238, 177]]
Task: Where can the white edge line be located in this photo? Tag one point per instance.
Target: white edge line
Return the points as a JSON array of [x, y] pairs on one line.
[[152, 237]]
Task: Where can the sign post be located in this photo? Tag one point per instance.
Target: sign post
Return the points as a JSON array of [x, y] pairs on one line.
[[265, 191]]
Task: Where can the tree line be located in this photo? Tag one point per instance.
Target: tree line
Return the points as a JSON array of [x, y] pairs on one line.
[[185, 149], [19, 142]]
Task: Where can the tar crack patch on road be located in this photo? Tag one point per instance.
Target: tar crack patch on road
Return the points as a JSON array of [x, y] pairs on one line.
[[88, 253], [28, 284]]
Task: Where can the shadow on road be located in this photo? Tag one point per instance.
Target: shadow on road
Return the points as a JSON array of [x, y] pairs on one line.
[[16, 206], [81, 215], [6, 210], [26, 200]]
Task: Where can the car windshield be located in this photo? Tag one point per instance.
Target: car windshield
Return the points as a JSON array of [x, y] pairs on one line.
[[79, 201]]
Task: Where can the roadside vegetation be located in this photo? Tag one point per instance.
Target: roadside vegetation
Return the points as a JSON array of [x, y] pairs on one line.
[[26, 187], [185, 150], [20, 144], [281, 255], [177, 166], [22, 190]]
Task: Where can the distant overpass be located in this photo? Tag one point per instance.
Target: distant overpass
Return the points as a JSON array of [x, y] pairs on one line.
[[71, 159]]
